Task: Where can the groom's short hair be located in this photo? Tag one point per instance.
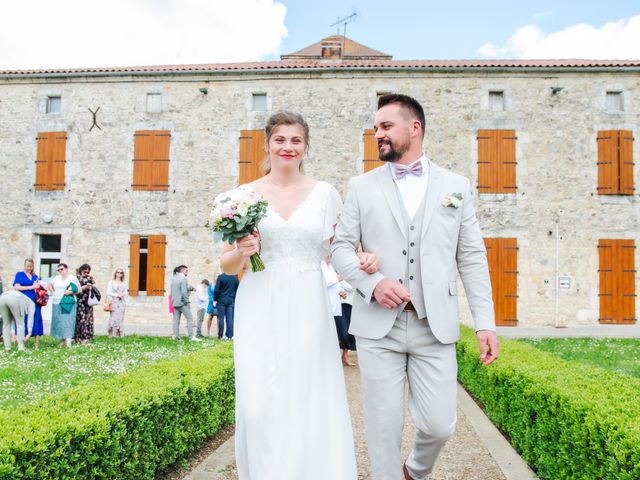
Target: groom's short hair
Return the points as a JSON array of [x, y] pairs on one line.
[[409, 103]]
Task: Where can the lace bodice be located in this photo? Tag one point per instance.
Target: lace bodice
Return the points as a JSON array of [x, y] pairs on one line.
[[303, 239]]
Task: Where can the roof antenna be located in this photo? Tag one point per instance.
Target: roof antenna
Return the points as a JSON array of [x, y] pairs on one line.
[[343, 22]]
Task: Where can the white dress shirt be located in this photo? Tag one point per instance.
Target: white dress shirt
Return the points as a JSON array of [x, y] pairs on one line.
[[202, 297], [412, 188]]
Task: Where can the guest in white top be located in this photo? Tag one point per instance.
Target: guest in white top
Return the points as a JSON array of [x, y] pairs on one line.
[[116, 294], [202, 300]]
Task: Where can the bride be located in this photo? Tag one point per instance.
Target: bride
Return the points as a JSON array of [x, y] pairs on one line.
[[292, 416]]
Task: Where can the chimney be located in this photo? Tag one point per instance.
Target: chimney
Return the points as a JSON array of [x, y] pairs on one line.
[[331, 50]]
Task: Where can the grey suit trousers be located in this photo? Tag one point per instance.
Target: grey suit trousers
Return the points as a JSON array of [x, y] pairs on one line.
[[186, 311], [409, 352]]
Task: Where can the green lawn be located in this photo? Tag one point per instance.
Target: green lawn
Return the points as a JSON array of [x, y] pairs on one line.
[[618, 355], [30, 375]]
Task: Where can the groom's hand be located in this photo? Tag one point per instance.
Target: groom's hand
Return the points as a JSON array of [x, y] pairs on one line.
[[489, 346], [369, 262], [390, 293]]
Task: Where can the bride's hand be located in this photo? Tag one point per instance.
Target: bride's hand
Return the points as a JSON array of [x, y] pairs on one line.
[[249, 245], [369, 262]]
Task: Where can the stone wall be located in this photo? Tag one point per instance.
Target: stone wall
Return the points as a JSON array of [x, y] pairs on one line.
[[98, 211]]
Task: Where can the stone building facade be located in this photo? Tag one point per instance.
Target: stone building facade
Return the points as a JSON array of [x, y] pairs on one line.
[[552, 114]]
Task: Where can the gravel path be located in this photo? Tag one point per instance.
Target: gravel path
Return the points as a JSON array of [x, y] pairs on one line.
[[464, 457]]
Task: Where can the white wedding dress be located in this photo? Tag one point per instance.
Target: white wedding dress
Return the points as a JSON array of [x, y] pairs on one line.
[[292, 416]]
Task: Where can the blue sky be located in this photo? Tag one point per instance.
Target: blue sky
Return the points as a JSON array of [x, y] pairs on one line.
[[442, 29], [95, 33]]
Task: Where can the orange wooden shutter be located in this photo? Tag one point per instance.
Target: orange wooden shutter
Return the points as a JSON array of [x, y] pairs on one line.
[[156, 265], [134, 264], [502, 257], [50, 161], [608, 163], [496, 161], [251, 155], [487, 178], [616, 272], [506, 161], [161, 160], [626, 162], [142, 160], [371, 158], [151, 160]]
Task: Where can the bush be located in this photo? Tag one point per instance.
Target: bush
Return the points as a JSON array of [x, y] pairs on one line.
[[126, 427], [567, 420]]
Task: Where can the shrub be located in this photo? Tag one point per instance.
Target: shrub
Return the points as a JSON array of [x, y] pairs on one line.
[[126, 427], [567, 420]]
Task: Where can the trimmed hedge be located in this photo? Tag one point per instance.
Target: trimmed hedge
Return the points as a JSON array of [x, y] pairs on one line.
[[567, 420], [126, 427]]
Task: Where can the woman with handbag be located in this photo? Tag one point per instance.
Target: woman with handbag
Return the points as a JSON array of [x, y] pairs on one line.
[[63, 288], [116, 293], [87, 299], [28, 283]]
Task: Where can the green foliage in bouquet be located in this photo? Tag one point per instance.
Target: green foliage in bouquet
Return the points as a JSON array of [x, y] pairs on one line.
[[236, 214]]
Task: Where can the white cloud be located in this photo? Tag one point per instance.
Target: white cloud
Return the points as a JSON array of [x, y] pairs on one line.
[[614, 40], [92, 33]]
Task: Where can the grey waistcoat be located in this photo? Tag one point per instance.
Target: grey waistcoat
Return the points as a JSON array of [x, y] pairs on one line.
[[413, 276]]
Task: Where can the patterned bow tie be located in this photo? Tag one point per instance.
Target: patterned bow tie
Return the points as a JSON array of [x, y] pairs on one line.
[[415, 169]]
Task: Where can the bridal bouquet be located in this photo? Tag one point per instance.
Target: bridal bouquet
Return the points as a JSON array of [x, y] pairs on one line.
[[235, 214]]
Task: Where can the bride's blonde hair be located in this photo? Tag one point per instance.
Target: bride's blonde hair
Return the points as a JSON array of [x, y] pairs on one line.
[[277, 119]]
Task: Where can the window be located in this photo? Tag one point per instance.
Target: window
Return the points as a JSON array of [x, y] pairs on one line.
[[615, 162], [497, 161], [496, 101], [147, 265], [54, 104], [151, 160], [154, 102], [49, 254], [251, 155], [50, 160], [371, 157], [502, 257], [259, 102], [616, 273], [613, 102]]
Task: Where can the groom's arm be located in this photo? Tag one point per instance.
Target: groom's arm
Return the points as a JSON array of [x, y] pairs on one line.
[[471, 257], [344, 247]]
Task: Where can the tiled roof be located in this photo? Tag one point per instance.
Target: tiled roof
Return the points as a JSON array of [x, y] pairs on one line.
[[351, 49], [305, 65]]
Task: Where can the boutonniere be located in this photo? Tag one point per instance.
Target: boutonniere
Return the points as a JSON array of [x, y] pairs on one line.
[[453, 200]]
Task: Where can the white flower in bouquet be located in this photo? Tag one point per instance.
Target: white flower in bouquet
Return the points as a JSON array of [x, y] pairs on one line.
[[236, 214]]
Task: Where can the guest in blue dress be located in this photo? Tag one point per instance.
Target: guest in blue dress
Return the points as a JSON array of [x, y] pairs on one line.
[[27, 282], [211, 307]]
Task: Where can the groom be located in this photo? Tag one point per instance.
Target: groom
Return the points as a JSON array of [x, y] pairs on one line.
[[419, 220]]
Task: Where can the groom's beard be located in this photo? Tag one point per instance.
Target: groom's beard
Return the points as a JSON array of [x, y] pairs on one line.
[[395, 151]]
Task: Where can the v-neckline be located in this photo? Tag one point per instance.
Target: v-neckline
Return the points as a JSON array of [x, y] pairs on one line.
[[297, 207]]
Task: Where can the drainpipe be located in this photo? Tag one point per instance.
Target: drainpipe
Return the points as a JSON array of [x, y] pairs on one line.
[[556, 322]]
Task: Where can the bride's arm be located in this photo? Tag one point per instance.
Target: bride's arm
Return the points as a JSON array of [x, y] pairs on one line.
[[234, 257]]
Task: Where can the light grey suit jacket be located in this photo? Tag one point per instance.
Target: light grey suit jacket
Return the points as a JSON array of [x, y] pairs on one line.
[[179, 290], [450, 239]]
